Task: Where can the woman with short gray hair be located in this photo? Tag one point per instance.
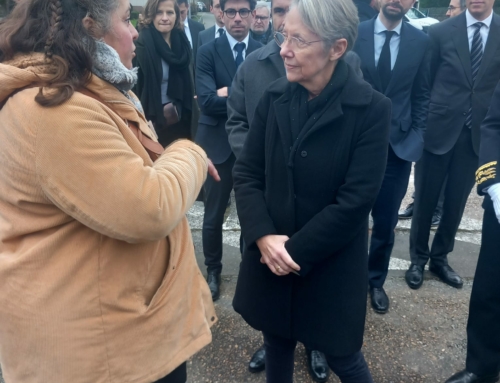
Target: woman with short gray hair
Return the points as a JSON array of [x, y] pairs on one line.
[[305, 183]]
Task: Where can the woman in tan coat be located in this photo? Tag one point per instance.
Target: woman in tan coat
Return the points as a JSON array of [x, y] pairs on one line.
[[98, 277]]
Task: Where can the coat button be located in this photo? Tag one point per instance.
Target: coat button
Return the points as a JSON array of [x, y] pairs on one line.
[[464, 113], [303, 153], [212, 319]]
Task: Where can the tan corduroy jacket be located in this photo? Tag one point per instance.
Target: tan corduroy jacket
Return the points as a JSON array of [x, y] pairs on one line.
[[98, 278]]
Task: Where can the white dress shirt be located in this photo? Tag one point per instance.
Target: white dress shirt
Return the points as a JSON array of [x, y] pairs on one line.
[[188, 32], [380, 41], [233, 42], [217, 30], [484, 31]]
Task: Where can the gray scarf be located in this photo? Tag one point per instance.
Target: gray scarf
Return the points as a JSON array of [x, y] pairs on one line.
[[107, 66]]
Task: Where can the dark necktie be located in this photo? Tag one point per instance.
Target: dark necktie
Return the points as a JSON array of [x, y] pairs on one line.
[[220, 31], [476, 56], [384, 62], [239, 48]]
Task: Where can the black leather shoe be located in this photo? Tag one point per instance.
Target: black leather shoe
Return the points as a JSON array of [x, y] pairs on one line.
[[379, 300], [415, 276], [258, 361], [468, 377], [407, 213], [447, 275], [436, 219], [213, 280], [317, 365]]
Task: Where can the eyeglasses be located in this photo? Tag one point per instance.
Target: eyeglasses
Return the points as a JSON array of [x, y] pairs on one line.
[[231, 13], [261, 18], [295, 42]]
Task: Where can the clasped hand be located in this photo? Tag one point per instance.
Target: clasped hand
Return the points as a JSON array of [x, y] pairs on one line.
[[275, 256]]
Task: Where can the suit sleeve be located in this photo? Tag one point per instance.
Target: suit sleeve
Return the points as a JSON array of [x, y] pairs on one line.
[[237, 123], [206, 84], [421, 93], [434, 54], [489, 149], [337, 224]]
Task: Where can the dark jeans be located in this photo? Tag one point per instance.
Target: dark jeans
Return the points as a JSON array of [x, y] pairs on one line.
[[280, 358], [216, 196], [483, 327], [179, 375], [459, 165], [385, 217]]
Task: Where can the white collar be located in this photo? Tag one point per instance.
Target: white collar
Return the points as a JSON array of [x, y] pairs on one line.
[[380, 27], [471, 20], [233, 41], [186, 24]]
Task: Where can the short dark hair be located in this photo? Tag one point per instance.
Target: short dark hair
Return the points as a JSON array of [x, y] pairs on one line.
[[252, 4], [179, 2]]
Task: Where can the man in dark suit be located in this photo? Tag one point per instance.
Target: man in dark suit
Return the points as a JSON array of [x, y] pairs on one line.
[[191, 28], [216, 66], [465, 66], [395, 61], [483, 327], [215, 31]]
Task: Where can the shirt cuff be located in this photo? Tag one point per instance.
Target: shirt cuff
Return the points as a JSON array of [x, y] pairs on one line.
[[494, 191]]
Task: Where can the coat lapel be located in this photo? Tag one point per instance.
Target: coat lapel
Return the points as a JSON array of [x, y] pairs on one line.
[[461, 41], [282, 112], [226, 55], [492, 47], [404, 54]]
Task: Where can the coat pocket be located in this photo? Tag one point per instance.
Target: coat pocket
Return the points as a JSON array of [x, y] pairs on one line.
[[405, 125], [438, 109]]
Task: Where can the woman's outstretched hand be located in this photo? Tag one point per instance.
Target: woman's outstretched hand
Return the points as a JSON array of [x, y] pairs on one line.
[[275, 256], [212, 170]]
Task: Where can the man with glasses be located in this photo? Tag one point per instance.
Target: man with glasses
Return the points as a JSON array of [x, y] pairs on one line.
[[216, 66], [455, 8], [395, 61], [217, 30], [260, 30]]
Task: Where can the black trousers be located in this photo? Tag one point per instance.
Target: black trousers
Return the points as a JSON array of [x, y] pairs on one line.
[[439, 206], [179, 375], [483, 327], [385, 217], [280, 358], [460, 165], [216, 196]]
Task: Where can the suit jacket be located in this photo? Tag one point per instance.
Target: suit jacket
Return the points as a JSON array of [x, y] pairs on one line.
[[489, 150], [409, 88], [215, 69], [260, 69], [453, 92], [195, 28], [206, 36]]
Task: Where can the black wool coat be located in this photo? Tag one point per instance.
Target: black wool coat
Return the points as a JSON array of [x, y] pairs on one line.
[[319, 191]]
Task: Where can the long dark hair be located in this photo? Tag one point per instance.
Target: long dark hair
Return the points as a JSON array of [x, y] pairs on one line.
[[55, 28]]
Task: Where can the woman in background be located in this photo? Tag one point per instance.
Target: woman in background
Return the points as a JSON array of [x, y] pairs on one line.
[[165, 85]]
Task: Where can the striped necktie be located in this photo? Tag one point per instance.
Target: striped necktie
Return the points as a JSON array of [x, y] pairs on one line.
[[476, 56]]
